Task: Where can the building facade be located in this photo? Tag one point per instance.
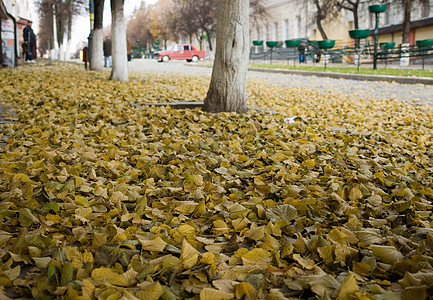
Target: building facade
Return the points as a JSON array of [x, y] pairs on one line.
[[14, 15], [294, 19]]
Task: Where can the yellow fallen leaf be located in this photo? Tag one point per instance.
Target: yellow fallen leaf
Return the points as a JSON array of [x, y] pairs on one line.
[[258, 257], [156, 244], [308, 264], [189, 255], [150, 291], [348, 288], [106, 275], [209, 293], [245, 289], [387, 254], [82, 201]]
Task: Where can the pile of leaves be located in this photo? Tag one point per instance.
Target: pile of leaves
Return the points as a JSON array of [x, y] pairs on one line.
[[313, 196]]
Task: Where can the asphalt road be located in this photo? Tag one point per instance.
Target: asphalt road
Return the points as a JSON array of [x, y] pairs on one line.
[[379, 90]]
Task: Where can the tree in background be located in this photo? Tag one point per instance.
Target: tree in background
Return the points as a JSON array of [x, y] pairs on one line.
[[164, 21], [118, 38], [171, 19], [189, 25], [138, 29], [96, 62], [65, 11], [324, 9], [45, 35], [227, 90], [407, 6], [205, 12], [352, 6]]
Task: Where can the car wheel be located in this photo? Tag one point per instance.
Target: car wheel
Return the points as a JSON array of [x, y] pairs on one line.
[[189, 60], [165, 58], [195, 58]]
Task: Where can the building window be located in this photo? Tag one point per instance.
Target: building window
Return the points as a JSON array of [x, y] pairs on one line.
[[298, 26], [258, 34], [425, 9], [267, 32], [276, 34], [388, 14], [286, 29], [371, 21]]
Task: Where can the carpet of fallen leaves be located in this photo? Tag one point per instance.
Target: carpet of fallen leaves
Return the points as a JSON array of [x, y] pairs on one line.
[[104, 197]]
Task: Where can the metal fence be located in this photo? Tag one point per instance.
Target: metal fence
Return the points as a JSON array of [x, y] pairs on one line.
[[341, 53]]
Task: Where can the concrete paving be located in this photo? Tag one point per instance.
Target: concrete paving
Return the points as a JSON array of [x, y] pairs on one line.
[[378, 88]]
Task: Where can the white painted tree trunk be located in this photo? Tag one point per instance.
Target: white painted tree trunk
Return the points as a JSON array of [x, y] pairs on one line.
[[68, 49], [97, 63], [118, 35], [404, 57], [227, 90], [61, 52], [56, 44]]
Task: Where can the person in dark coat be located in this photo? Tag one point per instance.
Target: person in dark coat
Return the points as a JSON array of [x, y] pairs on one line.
[[128, 49], [107, 52], [301, 50], [29, 38], [85, 56]]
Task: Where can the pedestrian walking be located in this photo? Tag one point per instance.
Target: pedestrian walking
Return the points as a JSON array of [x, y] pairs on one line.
[[29, 38], [128, 49], [85, 56], [107, 52], [301, 51], [25, 47]]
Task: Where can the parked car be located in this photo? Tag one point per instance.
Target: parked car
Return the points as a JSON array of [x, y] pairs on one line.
[[180, 51]]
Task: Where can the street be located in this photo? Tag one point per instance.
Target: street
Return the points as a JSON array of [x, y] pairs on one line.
[[420, 94]]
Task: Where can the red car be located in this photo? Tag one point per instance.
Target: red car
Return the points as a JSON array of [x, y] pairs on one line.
[[180, 51]]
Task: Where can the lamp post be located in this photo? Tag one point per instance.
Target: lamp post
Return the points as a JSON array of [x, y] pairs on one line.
[[376, 9], [358, 34]]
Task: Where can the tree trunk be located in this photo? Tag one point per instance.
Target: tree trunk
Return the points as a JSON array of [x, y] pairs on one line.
[[353, 7], [227, 90], [96, 61], [209, 41], [355, 17], [118, 37], [1, 46], [406, 21], [319, 20], [68, 43], [60, 31], [321, 30]]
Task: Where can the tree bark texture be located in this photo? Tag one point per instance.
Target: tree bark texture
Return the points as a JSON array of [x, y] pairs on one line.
[[1, 46], [70, 17], [227, 90], [319, 18], [352, 5], [118, 38], [406, 21], [97, 62]]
